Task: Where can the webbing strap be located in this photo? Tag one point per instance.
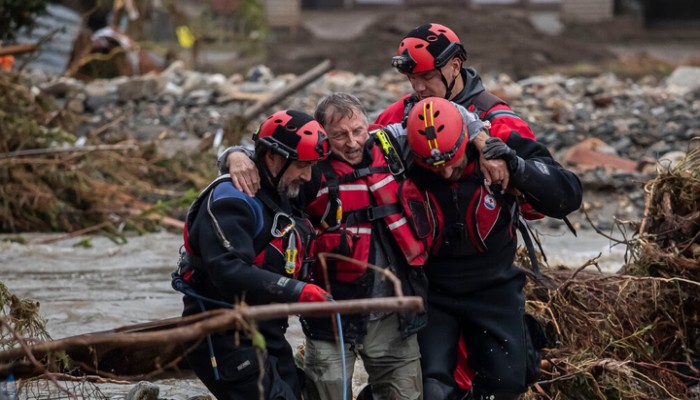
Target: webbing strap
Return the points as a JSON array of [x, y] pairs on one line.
[[361, 173], [527, 238], [329, 216], [570, 226], [501, 113], [369, 214], [486, 100]]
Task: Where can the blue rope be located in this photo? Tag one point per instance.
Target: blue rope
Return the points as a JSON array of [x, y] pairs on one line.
[[182, 287], [210, 345], [342, 355], [179, 285]]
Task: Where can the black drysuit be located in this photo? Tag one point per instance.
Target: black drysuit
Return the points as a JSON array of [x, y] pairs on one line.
[[234, 256]]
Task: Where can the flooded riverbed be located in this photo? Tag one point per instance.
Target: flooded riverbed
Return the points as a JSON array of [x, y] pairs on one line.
[[109, 285]]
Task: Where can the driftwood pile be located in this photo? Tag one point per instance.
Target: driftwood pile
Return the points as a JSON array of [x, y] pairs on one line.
[[53, 180], [634, 334], [48, 182]]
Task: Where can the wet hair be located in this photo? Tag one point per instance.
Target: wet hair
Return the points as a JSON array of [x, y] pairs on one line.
[[338, 105]]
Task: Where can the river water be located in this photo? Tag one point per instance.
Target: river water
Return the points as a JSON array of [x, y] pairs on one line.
[[108, 285]]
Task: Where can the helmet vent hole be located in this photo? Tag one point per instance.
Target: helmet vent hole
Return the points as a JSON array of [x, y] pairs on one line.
[[440, 128], [307, 132], [432, 38], [422, 132], [291, 128], [419, 46], [420, 117], [278, 121], [437, 114]]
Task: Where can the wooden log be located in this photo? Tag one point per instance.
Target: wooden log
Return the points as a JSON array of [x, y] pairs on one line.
[[237, 123], [17, 49], [188, 329], [301, 81], [75, 149]]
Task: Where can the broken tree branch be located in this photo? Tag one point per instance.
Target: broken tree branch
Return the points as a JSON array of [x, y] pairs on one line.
[[74, 149], [214, 321], [17, 49]]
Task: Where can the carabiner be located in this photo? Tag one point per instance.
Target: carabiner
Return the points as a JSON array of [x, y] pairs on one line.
[[280, 233]]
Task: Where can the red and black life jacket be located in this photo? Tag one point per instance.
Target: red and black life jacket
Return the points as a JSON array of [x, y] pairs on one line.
[[470, 218], [351, 199], [489, 108]]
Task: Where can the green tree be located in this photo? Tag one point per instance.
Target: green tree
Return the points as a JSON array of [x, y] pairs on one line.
[[17, 14]]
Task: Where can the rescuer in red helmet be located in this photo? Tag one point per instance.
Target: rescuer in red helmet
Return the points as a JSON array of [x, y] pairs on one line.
[[240, 248], [432, 57], [475, 291]]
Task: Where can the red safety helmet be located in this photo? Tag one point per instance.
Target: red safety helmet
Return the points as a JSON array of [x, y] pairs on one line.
[[426, 48], [294, 135], [436, 133]]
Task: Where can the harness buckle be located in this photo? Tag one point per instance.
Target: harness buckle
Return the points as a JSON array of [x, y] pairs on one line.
[[185, 269], [360, 173], [370, 214], [488, 188], [183, 264]]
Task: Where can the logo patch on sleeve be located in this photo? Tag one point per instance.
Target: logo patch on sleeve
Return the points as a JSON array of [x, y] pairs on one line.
[[542, 167], [283, 281]]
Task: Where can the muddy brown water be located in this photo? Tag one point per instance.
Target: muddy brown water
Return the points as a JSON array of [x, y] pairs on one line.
[[108, 285]]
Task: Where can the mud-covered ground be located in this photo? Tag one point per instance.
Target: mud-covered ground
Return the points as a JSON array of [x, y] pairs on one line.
[[497, 39]]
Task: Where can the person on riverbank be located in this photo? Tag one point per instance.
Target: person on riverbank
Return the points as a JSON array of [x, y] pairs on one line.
[[240, 248], [356, 206]]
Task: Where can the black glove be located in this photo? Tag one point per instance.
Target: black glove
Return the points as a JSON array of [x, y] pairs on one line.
[[496, 149]]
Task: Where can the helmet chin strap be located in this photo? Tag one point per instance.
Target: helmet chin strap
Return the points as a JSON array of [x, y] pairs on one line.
[[275, 179], [448, 88]]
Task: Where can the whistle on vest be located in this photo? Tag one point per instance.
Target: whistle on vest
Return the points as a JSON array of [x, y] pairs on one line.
[[290, 265]]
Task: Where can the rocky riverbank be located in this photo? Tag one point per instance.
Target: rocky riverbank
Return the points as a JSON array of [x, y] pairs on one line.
[[612, 131]]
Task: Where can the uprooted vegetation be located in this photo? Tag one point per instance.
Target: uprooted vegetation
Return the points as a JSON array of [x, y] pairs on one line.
[[635, 334], [47, 183]]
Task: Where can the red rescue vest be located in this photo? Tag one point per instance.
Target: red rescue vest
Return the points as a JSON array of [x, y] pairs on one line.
[[365, 195]]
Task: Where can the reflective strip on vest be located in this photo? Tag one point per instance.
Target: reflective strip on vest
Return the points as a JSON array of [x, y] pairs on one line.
[[402, 221], [359, 231], [347, 188], [381, 183]]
